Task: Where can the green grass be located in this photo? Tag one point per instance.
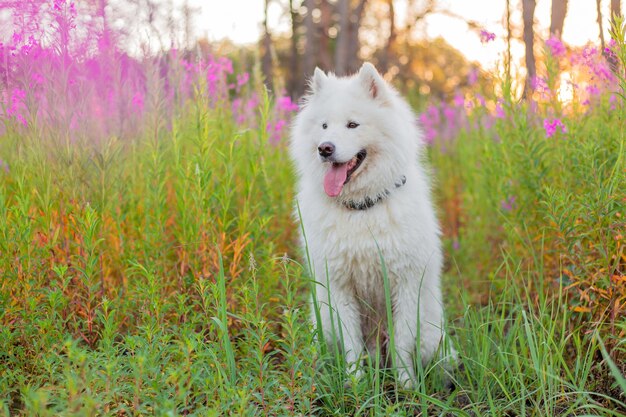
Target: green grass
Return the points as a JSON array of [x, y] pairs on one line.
[[160, 276]]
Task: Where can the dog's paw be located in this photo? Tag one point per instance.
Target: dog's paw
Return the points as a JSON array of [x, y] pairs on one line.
[[353, 377], [405, 379]]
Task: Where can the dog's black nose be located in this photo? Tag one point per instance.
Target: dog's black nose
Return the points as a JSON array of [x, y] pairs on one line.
[[326, 149]]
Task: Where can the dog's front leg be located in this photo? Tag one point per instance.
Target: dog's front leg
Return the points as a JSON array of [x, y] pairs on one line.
[[405, 322], [341, 323]]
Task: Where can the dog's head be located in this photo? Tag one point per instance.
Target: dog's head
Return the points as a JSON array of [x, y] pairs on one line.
[[354, 135]]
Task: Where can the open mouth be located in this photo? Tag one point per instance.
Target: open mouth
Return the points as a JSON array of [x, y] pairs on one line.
[[340, 173]]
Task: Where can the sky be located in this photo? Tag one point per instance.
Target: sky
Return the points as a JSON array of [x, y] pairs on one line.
[[240, 21]]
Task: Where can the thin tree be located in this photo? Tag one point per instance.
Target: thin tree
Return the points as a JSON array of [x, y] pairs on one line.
[[528, 16], [348, 44], [294, 76], [310, 45], [559, 10], [599, 20], [387, 54], [354, 44], [615, 11], [343, 38], [327, 16]]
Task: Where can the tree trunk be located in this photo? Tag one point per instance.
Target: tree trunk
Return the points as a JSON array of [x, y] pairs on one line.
[[325, 57], [559, 10], [343, 38], [387, 54], [528, 15], [310, 46], [354, 44], [600, 27], [611, 58], [294, 76], [615, 11]]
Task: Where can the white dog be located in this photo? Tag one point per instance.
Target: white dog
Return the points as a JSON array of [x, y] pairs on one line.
[[363, 196]]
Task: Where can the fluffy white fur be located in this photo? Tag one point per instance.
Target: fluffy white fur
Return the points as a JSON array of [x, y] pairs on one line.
[[345, 245]]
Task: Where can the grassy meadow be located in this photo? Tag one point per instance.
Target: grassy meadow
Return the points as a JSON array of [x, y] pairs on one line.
[[155, 270]]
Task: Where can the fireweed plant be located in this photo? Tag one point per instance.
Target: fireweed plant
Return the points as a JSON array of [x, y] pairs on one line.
[[147, 261]]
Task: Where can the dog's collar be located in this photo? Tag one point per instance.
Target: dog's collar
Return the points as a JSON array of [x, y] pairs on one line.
[[369, 201]]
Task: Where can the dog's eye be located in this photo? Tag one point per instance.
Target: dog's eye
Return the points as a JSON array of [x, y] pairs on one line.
[[324, 125], [352, 125]]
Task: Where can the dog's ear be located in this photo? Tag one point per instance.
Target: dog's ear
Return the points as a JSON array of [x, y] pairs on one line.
[[318, 80], [372, 82]]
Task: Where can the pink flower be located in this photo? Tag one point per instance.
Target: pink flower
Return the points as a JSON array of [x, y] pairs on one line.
[[589, 52], [500, 114], [226, 64], [539, 84], [449, 114], [556, 47], [609, 51], [253, 101], [432, 113], [278, 126], [593, 90], [551, 127], [284, 103], [138, 102], [612, 102], [275, 130], [16, 105], [37, 78], [236, 109], [242, 79], [508, 204], [472, 76], [486, 37]]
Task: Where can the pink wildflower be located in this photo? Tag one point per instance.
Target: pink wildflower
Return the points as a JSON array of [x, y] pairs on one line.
[[253, 102], [556, 47], [242, 79], [612, 102], [486, 37], [284, 103], [500, 114], [226, 64], [16, 104], [609, 51], [449, 114], [551, 127], [508, 204], [37, 78], [138, 102], [472, 76], [593, 90], [589, 52], [429, 131], [275, 130], [278, 126]]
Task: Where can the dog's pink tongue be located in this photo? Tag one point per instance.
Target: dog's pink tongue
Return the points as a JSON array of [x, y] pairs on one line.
[[334, 179]]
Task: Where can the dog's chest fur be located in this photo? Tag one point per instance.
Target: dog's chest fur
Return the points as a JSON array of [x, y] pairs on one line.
[[352, 244]]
